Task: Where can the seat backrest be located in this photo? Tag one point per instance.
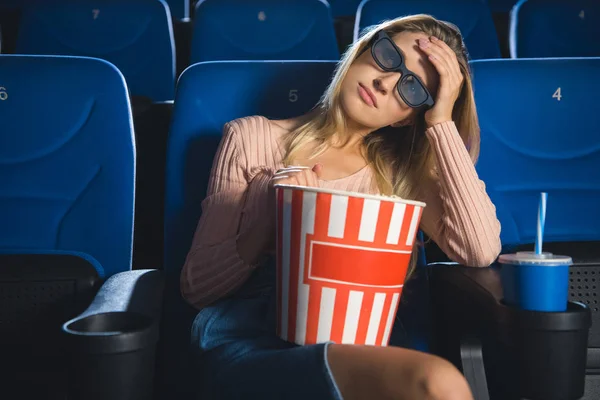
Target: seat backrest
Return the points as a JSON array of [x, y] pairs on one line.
[[263, 30], [472, 17], [344, 8], [209, 95], [555, 28], [67, 159], [540, 131], [180, 9], [501, 6], [10, 3], [134, 35]]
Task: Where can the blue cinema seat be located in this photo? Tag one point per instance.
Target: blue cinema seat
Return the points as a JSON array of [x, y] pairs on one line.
[[67, 163], [344, 8], [134, 35], [180, 9], [473, 18], [67, 175], [263, 30], [555, 28], [540, 132], [209, 95]]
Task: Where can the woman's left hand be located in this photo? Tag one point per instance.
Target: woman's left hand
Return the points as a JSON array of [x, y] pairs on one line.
[[451, 79]]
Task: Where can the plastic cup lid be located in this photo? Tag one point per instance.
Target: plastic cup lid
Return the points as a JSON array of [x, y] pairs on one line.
[[530, 258]]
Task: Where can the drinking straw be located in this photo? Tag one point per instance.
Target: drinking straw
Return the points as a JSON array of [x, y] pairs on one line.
[[541, 221]]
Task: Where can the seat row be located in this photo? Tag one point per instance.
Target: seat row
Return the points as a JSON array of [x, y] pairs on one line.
[[137, 35], [180, 9], [67, 160]]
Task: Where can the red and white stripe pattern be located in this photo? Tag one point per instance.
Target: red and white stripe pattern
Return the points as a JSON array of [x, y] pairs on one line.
[[341, 265]]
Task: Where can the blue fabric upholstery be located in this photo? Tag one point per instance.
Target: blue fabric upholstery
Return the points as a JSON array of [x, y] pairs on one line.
[[344, 8], [134, 35], [534, 138], [209, 95], [263, 30], [555, 28], [67, 163], [473, 18]]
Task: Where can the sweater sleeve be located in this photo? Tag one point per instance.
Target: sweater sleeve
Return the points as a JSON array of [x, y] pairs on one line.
[[459, 217], [213, 267]]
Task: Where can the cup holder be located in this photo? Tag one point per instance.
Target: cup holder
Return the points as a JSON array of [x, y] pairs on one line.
[[111, 332], [546, 351], [111, 355], [111, 323]]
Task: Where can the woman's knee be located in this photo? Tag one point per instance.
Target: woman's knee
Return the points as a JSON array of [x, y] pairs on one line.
[[395, 373]]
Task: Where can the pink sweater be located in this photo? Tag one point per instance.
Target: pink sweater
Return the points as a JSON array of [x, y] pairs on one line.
[[459, 215]]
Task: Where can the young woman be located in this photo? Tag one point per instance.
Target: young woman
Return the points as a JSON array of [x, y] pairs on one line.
[[398, 118]]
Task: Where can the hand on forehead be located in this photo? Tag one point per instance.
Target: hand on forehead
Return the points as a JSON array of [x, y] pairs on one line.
[[416, 60]]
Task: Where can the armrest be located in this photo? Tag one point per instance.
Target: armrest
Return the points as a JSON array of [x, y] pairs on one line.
[[112, 344], [471, 296], [527, 354], [464, 304]]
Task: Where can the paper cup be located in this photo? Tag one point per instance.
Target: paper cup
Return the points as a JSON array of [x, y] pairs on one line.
[[535, 282], [342, 260]]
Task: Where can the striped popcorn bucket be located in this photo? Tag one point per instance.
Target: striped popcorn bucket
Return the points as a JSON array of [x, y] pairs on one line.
[[341, 263]]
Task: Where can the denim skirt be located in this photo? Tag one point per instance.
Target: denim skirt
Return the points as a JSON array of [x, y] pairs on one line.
[[239, 356]]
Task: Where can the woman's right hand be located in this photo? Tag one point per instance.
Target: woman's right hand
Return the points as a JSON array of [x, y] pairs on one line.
[[255, 242], [298, 176]]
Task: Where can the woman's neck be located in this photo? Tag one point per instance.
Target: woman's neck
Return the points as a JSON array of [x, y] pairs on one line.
[[352, 137]]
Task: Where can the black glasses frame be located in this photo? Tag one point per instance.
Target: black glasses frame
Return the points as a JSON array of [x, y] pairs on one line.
[[404, 72]]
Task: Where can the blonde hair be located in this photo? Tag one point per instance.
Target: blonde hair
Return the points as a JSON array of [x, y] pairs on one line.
[[401, 158]]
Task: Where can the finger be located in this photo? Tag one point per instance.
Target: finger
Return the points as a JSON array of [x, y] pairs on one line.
[[307, 176], [437, 53], [434, 53], [280, 180], [447, 68], [311, 179], [288, 171], [440, 66], [318, 169], [291, 179], [439, 49], [451, 55], [444, 46], [292, 167], [301, 178]]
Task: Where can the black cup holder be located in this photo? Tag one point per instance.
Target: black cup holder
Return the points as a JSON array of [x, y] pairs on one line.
[[111, 346], [111, 332], [121, 348], [547, 350], [111, 323]]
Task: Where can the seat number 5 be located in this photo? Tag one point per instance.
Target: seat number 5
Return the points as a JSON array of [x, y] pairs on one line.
[[3, 94], [557, 95], [293, 95]]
